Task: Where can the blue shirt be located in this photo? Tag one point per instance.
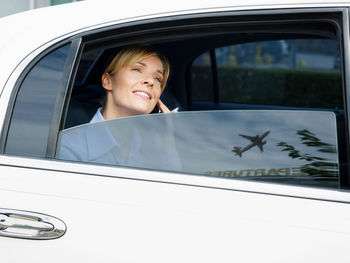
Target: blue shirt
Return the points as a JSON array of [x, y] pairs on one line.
[[94, 143]]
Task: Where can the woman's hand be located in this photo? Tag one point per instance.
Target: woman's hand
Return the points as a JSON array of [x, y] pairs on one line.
[[162, 107]]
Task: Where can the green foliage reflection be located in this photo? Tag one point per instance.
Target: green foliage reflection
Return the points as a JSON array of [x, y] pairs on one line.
[[317, 166]]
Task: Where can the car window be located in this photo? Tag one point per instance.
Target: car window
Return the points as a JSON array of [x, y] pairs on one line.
[[303, 72], [36, 105], [294, 147]]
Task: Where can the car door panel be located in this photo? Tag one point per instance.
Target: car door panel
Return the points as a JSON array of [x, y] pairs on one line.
[[120, 219]]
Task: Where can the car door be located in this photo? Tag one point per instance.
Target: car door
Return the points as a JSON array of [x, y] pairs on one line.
[[57, 210]]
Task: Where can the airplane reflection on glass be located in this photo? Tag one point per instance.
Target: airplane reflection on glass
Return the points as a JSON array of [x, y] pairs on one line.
[[256, 140]]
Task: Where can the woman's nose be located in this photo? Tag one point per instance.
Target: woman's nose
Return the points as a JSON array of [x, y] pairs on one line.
[[148, 80]]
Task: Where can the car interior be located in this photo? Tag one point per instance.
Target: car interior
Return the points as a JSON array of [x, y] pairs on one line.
[[182, 48]]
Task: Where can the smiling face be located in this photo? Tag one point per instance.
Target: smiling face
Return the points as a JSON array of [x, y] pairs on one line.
[[134, 89]]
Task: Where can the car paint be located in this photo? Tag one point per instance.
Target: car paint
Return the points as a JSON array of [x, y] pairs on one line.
[[172, 217], [116, 214]]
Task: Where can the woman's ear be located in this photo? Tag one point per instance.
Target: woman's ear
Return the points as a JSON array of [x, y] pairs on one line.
[[106, 81]]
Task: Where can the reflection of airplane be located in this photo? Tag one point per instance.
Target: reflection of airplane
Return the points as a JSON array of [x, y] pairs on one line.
[[255, 141]]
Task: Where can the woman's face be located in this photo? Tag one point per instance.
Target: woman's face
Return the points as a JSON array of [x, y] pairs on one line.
[[134, 89]]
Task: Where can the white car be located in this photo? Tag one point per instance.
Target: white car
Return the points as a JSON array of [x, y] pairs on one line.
[[252, 165]]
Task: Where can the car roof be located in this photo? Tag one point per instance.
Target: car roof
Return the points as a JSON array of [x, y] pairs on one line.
[[53, 21], [24, 32]]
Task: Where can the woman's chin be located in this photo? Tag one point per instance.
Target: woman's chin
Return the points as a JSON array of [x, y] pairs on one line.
[[144, 109], [141, 111]]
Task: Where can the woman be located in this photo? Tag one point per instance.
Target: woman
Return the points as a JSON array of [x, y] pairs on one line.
[[134, 81]]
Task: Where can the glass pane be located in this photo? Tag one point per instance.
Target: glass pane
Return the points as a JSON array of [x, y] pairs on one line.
[[291, 147], [296, 72], [35, 103]]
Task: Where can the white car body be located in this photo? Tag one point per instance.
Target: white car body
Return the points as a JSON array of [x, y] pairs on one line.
[[116, 214]]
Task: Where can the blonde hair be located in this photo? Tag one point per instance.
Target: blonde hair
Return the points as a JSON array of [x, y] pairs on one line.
[[135, 53]]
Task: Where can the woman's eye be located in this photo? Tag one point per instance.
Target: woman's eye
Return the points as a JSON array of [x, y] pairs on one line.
[[158, 80], [136, 69]]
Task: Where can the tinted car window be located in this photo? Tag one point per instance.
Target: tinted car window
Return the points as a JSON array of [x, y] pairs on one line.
[[298, 73], [35, 106], [303, 72]]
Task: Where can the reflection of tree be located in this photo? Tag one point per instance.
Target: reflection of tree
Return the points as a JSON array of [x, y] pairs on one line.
[[316, 166]]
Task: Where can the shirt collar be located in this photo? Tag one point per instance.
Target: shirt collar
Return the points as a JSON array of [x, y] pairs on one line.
[[98, 116]]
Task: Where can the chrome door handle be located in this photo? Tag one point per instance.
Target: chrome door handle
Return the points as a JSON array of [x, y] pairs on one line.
[[30, 225]]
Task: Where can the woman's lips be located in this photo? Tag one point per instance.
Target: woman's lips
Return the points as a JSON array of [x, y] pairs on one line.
[[143, 94]]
